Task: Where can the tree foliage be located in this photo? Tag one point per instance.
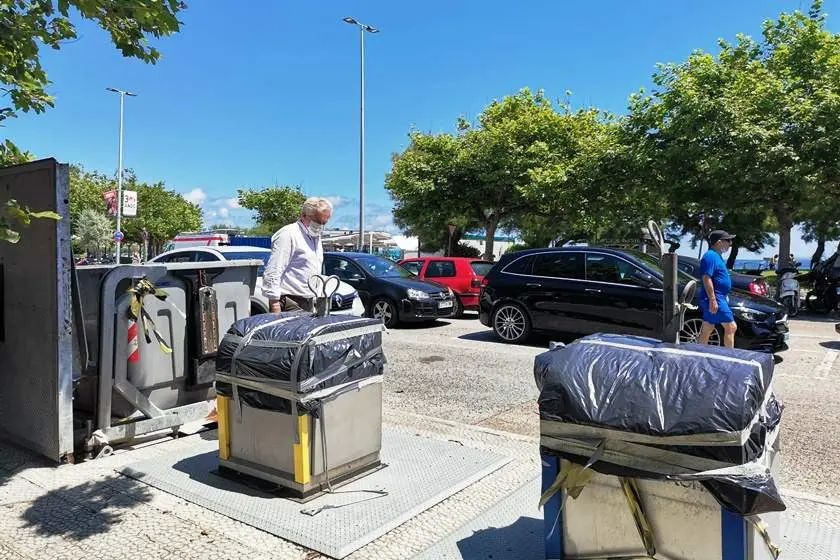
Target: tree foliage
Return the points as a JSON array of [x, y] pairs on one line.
[[746, 135], [28, 24], [161, 211], [94, 230], [522, 159], [275, 206]]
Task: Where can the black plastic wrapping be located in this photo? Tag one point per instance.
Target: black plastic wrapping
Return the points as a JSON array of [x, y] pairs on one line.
[[644, 386], [273, 349]]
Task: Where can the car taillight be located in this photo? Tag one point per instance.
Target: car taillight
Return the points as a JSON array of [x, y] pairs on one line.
[[476, 283], [758, 288]]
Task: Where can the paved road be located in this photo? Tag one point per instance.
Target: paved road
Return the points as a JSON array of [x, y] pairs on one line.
[[455, 370]]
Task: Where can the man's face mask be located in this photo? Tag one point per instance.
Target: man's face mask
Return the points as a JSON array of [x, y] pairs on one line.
[[315, 229]]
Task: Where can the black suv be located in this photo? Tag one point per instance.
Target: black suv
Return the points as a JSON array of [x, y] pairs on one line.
[[586, 290]]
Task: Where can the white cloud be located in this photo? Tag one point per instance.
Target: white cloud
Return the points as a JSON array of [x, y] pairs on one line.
[[233, 203], [224, 212], [336, 200], [196, 196]]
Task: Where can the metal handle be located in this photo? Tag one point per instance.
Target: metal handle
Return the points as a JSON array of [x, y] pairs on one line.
[[533, 285], [593, 290]]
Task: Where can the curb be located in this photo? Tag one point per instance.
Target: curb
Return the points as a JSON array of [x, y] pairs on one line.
[[810, 497]]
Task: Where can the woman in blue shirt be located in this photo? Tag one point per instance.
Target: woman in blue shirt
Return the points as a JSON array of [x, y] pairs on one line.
[[716, 285]]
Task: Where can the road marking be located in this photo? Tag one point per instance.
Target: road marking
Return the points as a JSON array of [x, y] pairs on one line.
[[825, 366]]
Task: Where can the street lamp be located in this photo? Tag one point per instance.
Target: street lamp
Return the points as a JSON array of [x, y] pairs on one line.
[[120, 172], [362, 29]]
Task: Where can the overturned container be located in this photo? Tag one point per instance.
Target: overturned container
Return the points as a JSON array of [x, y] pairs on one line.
[[300, 399], [666, 451]]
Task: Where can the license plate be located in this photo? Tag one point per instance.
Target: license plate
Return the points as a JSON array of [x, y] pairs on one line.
[[445, 304]]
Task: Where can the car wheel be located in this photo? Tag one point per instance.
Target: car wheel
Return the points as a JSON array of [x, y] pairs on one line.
[[383, 308], [457, 308], [511, 323], [690, 333]]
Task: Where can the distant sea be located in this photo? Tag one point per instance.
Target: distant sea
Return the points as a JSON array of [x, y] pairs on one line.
[[753, 264]]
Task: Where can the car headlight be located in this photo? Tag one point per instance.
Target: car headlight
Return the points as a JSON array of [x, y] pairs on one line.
[[417, 294], [749, 314]]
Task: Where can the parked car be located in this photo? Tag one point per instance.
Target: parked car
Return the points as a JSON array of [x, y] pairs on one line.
[[345, 301], [462, 274], [746, 282], [389, 291], [584, 290]]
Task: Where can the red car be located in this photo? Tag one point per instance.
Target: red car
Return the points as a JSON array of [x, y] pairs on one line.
[[462, 274]]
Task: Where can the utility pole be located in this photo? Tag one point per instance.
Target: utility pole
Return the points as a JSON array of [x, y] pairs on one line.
[[363, 28], [118, 232]]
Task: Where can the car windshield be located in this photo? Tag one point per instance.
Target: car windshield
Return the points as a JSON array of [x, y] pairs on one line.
[[481, 268], [653, 263], [250, 256], [383, 268]]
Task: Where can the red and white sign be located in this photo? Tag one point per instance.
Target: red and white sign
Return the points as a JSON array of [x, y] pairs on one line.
[[110, 198], [129, 203]]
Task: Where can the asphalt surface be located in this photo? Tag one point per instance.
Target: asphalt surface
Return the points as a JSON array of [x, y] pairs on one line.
[[456, 370]]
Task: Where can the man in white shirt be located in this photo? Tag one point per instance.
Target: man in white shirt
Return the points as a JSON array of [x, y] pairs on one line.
[[296, 254]]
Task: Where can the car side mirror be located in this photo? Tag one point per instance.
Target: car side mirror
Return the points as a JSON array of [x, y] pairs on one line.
[[645, 279]]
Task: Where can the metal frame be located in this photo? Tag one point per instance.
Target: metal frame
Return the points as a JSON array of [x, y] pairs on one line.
[[113, 369]]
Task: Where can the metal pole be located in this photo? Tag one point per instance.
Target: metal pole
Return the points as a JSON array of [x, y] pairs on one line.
[[120, 180], [362, 139], [670, 311]]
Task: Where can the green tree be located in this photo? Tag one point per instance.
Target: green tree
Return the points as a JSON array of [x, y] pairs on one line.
[[747, 134], [275, 206], [93, 230], [522, 161], [87, 188], [162, 212], [28, 24]]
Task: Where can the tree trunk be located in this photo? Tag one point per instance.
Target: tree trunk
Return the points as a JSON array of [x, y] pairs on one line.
[[490, 226], [733, 254], [785, 225], [819, 252]]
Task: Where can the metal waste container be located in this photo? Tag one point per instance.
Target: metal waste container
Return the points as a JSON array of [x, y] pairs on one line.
[[656, 450], [300, 399]]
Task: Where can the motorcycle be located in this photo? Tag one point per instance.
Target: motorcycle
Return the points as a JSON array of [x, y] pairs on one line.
[[825, 297], [788, 292]]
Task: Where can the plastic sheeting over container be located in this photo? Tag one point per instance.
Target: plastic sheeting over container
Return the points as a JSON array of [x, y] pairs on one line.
[[300, 353], [639, 407]]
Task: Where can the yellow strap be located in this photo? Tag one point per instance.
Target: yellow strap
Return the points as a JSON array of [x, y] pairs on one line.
[[634, 502], [136, 311]]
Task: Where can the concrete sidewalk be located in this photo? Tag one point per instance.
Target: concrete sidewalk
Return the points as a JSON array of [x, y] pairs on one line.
[[89, 510]]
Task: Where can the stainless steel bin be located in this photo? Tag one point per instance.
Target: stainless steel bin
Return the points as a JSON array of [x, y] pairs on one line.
[[300, 407]]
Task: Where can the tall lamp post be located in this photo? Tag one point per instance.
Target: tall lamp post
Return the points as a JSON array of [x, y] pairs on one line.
[[118, 233], [363, 28]]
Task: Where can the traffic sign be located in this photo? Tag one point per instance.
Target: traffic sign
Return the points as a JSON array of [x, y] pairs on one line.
[[118, 236]]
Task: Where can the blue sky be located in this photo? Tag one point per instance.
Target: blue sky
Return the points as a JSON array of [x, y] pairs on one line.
[[250, 97]]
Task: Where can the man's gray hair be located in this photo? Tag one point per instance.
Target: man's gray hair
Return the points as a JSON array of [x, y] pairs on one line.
[[315, 204]]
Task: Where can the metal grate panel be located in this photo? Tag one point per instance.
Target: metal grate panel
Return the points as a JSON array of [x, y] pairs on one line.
[[420, 473]]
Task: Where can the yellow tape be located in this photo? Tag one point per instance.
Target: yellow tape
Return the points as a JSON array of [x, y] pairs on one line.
[[301, 451], [223, 419]]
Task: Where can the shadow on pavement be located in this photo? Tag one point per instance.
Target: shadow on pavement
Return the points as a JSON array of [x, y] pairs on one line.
[[424, 324], [535, 341], [521, 541], [831, 344], [91, 508]]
